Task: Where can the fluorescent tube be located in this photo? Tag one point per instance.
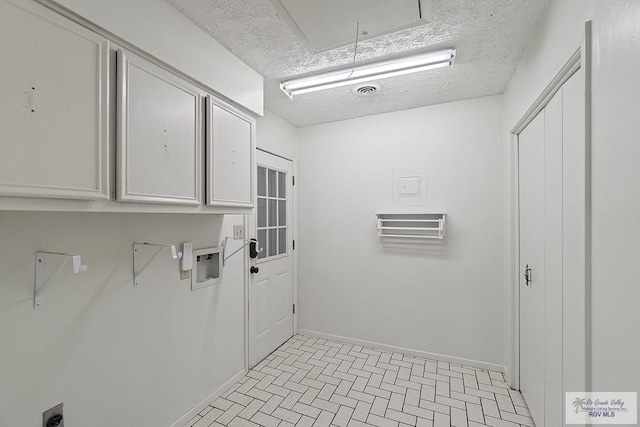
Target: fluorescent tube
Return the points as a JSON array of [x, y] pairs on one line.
[[368, 72]]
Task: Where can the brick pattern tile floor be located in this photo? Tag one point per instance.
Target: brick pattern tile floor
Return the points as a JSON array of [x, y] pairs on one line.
[[317, 382]]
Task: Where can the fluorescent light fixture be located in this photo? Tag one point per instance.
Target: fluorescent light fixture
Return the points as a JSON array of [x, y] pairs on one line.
[[368, 72]]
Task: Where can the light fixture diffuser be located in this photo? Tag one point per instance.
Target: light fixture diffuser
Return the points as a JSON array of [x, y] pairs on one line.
[[368, 72]]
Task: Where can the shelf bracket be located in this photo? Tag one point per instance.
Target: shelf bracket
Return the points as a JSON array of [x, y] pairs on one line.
[[136, 247], [42, 282]]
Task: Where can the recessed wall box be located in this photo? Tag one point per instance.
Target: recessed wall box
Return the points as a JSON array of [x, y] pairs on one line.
[[410, 187], [207, 268]]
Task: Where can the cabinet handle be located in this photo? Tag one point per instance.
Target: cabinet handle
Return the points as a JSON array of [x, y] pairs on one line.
[[527, 275]]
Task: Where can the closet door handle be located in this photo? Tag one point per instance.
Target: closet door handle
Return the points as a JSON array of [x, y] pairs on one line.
[[527, 275]]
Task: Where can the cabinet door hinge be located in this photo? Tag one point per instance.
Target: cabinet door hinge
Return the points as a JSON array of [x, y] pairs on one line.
[[293, 180], [294, 309], [294, 245]]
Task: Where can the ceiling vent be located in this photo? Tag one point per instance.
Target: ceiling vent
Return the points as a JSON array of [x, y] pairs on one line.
[[367, 89]]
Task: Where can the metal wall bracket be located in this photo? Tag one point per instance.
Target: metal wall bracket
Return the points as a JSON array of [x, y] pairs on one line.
[[42, 282], [246, 242], [136, 247]]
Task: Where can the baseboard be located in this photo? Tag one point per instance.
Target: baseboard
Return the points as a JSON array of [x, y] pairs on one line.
[[412, 352], [507, 378], [207, 400]]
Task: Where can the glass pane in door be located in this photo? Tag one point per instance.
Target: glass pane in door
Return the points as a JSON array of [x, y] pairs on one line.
[[282, 188], [262, 212], [262, 244], [273, 242], [282, 213], [282, 241], [262, 181], [272, 183], [272, 215]]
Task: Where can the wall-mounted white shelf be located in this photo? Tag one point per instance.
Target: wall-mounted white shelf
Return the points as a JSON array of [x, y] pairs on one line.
[[411, 226]]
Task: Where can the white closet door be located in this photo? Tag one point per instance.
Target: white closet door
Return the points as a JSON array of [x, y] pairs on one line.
[[574, 233], [532, 186], [554, 402], [53, 105], [550, 223]]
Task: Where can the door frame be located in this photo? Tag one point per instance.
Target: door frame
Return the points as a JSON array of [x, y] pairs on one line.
[[580, 59], [294, 255]]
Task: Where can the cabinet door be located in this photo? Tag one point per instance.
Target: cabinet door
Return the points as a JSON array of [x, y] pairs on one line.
[[159, 135], [53, 105], [230, 155]]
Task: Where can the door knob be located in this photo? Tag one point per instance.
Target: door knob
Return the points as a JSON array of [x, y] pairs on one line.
[[254, 269]]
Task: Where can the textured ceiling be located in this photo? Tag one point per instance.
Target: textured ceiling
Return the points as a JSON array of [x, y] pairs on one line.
[[489, 36], [309, 19]]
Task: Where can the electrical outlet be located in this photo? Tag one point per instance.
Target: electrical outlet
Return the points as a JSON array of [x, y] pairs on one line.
[[53, 417], [238, 232]]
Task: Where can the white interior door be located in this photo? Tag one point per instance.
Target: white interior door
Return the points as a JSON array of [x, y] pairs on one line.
[[532, 233], [271, 282]]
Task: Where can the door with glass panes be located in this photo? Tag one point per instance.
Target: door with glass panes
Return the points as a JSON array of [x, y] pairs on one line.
[[271, 282]]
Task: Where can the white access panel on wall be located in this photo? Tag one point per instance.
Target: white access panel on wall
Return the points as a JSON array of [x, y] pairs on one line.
[[230, 155], [159, 135], [54, 112], [409, 187]]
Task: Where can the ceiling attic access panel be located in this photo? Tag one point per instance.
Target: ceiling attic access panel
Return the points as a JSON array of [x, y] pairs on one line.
[[328, 24]]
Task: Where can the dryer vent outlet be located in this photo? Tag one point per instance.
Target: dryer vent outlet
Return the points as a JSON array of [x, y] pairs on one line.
[[53, 417]]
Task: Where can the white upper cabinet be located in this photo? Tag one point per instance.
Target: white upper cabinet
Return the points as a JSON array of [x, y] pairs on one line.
[[104, 126], [159, 137], [54, 109], [230, 156]]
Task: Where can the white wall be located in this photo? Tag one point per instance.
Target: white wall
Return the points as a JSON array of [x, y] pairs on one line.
[[440, 297], [615, 174], [145, 355], [141, 356], [277, 136], [615, 196], [162, 31]]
